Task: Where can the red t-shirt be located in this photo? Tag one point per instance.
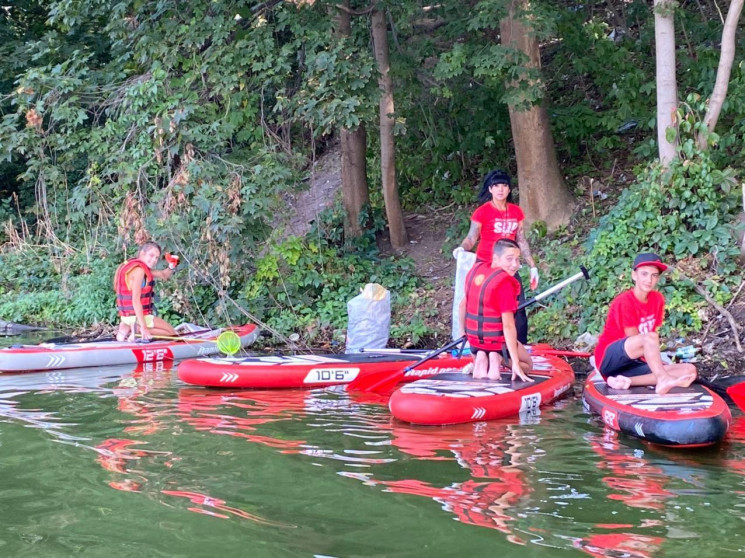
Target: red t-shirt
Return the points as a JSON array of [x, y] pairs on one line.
[[628, 311], [499, 296], [496, 224]]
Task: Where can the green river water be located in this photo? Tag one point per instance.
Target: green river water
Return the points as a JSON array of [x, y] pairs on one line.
[[130, 462]]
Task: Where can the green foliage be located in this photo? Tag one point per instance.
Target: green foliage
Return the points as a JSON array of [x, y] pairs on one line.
[[56, 291], [685, 214], [303, 285]]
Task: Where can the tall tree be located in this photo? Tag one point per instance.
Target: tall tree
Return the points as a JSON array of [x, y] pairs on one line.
[[726, 59], [354, 187], [543, 193], [393, 211], [667, 88]]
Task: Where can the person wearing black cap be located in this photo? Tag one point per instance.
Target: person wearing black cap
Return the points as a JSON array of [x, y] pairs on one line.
[[498, 218], [628, 350]]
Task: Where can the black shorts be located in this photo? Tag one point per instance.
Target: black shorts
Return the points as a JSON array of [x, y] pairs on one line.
[[617, 363]]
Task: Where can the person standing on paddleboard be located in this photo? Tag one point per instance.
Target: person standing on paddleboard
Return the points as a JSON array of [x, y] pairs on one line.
[[134, 283], [628, 350], [498, 218], [487, 313]]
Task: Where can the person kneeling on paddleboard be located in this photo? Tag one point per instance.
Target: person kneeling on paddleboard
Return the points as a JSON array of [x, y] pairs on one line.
[[134, 283], [487, 313], [628, 350]]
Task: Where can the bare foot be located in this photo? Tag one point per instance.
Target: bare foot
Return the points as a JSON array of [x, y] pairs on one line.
[[477, 376], [667, 383], [619, 382], [494, 375]]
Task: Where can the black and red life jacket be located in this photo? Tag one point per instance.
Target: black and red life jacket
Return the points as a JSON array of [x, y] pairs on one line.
[[483, 320], [124, 293]]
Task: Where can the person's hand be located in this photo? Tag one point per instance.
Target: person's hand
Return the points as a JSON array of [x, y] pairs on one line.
[[517, 372], [145, 334], [172, 260], [534, 278], [457, 251]]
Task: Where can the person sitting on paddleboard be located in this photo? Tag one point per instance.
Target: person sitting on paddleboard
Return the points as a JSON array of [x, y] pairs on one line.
[[498, 218], [134, 282], [628, 350], [487, 313]]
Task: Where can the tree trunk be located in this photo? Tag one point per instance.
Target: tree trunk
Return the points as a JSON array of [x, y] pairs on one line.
[[543, 194], [354, 188], [387, 145], [667, 87], [726, 58]]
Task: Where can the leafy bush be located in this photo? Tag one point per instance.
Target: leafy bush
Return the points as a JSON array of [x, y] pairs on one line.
[[685, 214]]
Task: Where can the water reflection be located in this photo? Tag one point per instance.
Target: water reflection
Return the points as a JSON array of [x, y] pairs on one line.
[[630, 477], [491, 452], [556, 483]]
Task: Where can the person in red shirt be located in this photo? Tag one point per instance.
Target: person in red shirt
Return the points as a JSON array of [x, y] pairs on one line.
[[498, 218], [628, 350], [487, 313]]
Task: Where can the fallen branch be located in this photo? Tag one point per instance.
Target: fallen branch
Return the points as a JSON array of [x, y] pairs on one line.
[[723, 311]]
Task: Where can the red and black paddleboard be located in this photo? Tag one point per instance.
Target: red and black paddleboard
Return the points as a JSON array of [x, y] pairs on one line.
[[684, 417], [299, 371], [458, 398]]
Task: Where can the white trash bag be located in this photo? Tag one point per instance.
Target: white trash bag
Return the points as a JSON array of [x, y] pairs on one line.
[[369, 319], [463, 265]]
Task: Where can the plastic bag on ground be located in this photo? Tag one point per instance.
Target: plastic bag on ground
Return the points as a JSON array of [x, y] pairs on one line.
[[369, 319]]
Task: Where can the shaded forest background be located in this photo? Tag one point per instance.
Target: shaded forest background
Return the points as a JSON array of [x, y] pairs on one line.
[[198, 125]]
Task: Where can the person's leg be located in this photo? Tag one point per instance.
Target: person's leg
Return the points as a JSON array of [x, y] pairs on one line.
[[162, 327], [526, 363], [480, 365], [647, 345], [495, 365], [521, 317], [122, 332], [621, 372]]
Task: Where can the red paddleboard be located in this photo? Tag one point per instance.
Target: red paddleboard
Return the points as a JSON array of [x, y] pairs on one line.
[[310, 371], [458, 398]]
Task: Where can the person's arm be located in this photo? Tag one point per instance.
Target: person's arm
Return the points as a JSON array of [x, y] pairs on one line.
[[462, 316], [510, 337], [136, 277], [173, 261], [162, 274], [472, 237], [522, 242]]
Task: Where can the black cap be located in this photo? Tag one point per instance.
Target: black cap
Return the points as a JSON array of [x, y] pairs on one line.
[[649, 258]]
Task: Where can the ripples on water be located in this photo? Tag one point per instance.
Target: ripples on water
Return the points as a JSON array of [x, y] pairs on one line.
[[116, 458]]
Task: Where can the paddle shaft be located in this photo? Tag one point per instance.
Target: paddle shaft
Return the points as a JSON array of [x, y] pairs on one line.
[[548, 292]]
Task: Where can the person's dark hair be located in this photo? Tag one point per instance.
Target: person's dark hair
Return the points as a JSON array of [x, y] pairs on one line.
[[149, 244], [497, 176], [503, 244]]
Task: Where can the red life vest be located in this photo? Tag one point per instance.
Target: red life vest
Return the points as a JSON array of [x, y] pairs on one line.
[[124, 293], [483, 320]]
